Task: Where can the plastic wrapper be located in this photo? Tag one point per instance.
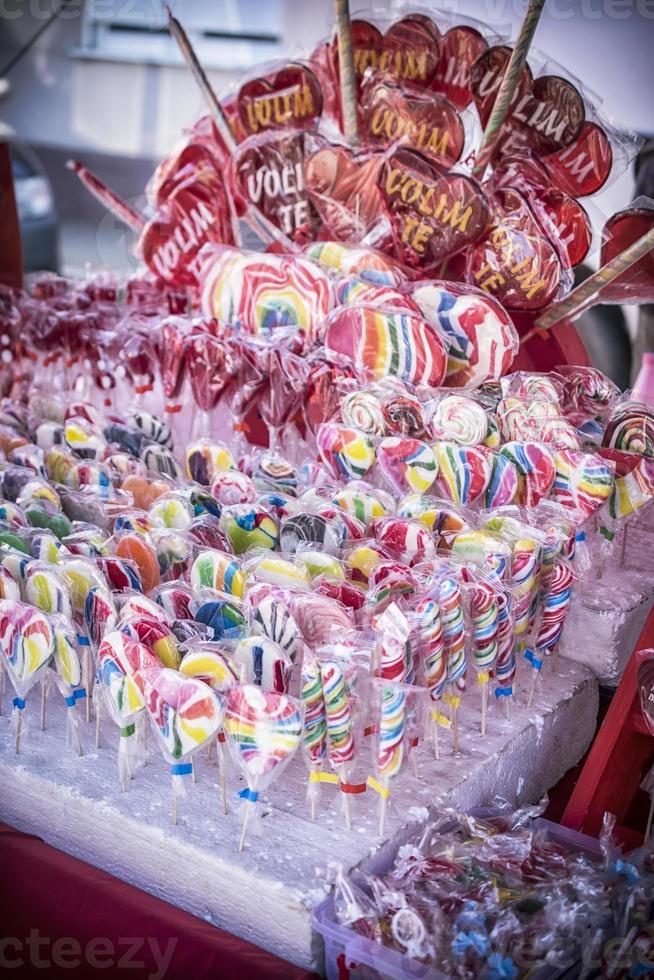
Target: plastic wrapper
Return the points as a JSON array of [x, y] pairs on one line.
[[393, 714], [264, 730], [408, 464]]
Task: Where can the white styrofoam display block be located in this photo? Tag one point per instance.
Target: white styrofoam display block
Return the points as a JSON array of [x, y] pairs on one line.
[[265, 894], [607, 614]]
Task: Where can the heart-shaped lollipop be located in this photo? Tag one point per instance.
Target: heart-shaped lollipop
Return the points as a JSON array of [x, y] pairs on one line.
[[289, 98], [26, 643], [583, 167], [583, 482], [409, 50], [269, 174], [343, 190], [460, 48], [433, 215], [184, 711]]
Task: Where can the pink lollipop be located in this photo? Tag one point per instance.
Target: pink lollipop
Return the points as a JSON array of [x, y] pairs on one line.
[[410, 541], [346, 452], [536, 470], [320, 619], [503, 483]]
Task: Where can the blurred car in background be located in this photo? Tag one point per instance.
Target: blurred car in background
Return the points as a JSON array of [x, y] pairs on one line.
[[36, 210]]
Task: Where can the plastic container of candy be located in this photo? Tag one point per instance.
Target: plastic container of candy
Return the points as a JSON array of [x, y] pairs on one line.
[[350, 956]]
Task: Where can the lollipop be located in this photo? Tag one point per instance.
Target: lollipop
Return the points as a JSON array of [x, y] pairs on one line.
[[391, 740], [185, 714], [429, 640], [443, 520], [249, 526], [264, 729], [450, 602], [157, 459], [44, 588], [314, 737], [263, 663], [223, 616], [84, 439], [319, 564], [153, 634], [583, 482], [505, 663], [68, 675], [340, 725], [362, 410], [363, 558], [403, 415], [271, 616], [362, 505], [205, 459], [27, 646], [461, 420], [536, 470], [631, 429], [346, 452], [409, 541], [100, 616], [392, 650], [320, 619], [463, 472], [408, 464], [503, 483], [209, 666], [153, 428], [556, 608], [273, 472], [134, 548], [172, 512], [217, 570], [119, 658], [311, 529], [385, 342], [279, 571], [633, 488], [233, 487]]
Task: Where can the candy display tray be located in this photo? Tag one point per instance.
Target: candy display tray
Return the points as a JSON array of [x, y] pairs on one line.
[[348, 954]]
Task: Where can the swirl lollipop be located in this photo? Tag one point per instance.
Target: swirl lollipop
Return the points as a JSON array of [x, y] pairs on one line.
[[264, 730], [27, 646], [218, 570], [345, 452], [362, 410], [429, 639], [263, 663], [119, 658], [459, 419], [408, 464], [450, 601], [631, 429], [583, 482], [536, 470], [339, 712], [185, 714], [390, 708], [314, 738], [463, 472]]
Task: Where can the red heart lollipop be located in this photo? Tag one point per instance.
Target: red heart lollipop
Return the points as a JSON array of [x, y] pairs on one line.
[[269, 173], [410, 49], [433, 215], [291, 97], [208, 369], [343, 190], [515, 262], [460, 48], [486, 75], [393, 112], [171, 353], [196, 212], [583, 167]]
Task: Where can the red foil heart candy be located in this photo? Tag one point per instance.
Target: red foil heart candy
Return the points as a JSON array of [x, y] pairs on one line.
[[291, 98]]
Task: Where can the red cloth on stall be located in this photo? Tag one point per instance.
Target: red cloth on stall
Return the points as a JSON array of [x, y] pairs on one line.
[[84, 922]]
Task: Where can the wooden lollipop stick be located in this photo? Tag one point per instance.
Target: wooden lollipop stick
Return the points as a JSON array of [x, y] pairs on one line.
[[346, 812], [437, 749], [97, 726], [347, 73], [650, 817], [382, 811], [173, 818], [507, 87], [2, 688], [111, 201], [221, 768]]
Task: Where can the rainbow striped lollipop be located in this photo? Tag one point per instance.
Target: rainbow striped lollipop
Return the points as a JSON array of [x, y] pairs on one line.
[[556, 607], [314, 738], [26, 647], [583, 482], [429, 640], [450, 602], [391, 740], [264, 729], [340, 724], [463, 472]]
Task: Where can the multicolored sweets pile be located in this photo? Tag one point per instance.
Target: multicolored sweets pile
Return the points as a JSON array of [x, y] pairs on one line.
[[493, 895]]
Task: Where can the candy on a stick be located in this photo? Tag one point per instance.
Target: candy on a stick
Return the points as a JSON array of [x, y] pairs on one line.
[[269, 615], [264, 729], [172, 511], [392, 650], [390, 707], [233, 487], [27, 645], [630, 428], [556, 607], [221, 613], [154, 634], [280, 571], [217, 570], [249, 526], [484, 615], [384, 342], [409, 541], [441, 517], [261, 662], [403, 414], [361, 504], [583, 482], [135, 548], [119, 658], [273, 472], [463, 472], [68, 675], [347, 453], [185, 714], [408, 464], [364, 263], [525, 587], [339, 713], [320, 619], [362, 410], [314, 736], [450, 601], [633, 487], [100, 616], [536, 470], [318, 564], [44, 587], [312, 529], [457, 418], [429, 638], [503, 483], [389, 581]]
